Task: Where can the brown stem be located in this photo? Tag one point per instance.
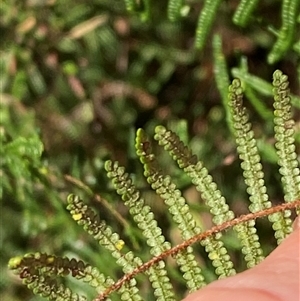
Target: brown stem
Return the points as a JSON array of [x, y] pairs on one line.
[[198, 237]]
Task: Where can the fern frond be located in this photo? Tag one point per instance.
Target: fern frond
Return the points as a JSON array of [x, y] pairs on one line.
[[144, 218], [247, 149], [205, 21], [177, 207], [165, 188], [287, 157], [260, 85], [197, 172], [192, 273], [243, 12], [209, 192], [174, 7], [253, 174], [90, 222], [141, 213], [39, 272], [251, 247], [290, 11], [284, 134]]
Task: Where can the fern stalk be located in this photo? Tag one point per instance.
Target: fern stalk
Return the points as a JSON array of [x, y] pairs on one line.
[[205, 21]]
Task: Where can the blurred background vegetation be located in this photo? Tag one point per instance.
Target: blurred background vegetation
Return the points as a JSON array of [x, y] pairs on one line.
[[79, 77]]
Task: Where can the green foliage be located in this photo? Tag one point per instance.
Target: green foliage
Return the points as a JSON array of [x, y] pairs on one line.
[[286, 34], [206, 18], [178, 207], [174, 9], [20, 160], [78, 79], [40, 271], [248, 152], [243, 12], [85, 217], [253, 174], [262, 87], [221, 75], [284, 135], [145, 221]]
